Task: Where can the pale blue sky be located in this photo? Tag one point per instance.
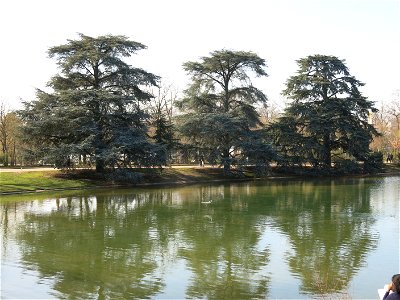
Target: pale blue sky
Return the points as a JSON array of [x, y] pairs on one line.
[[366, 33]]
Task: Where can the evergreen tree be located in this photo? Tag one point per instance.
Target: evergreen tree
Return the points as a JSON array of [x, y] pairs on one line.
[[328, 116], [161, 125], [96, 106], [220, 103]]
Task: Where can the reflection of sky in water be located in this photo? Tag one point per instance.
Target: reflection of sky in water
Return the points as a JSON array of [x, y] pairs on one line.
[[18, 279], [380, 263], [177, 278], [282, 284], [384, 261], [49, 206]]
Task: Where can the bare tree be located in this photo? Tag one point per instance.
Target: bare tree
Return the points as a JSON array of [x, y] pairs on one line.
[[163, 101], [394, 112], [161, 109], [4, 133], [270, 112], [387, 122], [9, 123], [381, 121]]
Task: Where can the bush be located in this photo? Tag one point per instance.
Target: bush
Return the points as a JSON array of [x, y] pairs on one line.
[[373, 163], [347, 166]]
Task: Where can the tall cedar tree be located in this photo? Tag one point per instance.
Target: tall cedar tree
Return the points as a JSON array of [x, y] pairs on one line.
[[219, 104], [96, 107], [328, 115]]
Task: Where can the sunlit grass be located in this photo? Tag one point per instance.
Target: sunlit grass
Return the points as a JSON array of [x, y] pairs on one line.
[[36, 180], [17, 182]]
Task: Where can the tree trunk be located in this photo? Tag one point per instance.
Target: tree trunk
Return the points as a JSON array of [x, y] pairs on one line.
[[14, 156], [226, 161], [6, 159], [327, 161], [100, 166], [5, 151]]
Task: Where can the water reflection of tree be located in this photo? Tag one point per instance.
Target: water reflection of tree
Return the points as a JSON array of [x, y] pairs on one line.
[[223, 252], [95, 248], [119, 245], [329, 229]]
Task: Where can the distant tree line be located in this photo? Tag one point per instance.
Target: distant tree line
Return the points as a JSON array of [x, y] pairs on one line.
[[9, 137], [106, 113]]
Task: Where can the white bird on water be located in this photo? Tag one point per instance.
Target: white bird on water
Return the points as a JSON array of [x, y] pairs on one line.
[[206, 202]]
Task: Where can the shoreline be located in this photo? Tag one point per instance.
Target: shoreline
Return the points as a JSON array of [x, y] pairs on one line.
[[187, 175]]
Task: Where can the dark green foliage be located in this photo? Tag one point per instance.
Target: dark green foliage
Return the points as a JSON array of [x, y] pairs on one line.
[[258, 152], [293, 147], [374, 163], [219, 104], [163, 128], [164, 133], [96, 107], [347, 166], [327, 118], [125, 176]]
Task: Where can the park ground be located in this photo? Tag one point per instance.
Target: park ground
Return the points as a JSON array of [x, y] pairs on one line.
[[28, 180]]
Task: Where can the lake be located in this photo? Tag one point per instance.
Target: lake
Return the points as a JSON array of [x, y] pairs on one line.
[[285, 239]]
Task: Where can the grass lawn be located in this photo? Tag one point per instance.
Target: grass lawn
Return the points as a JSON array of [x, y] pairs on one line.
[[37, 180], [53, 179]]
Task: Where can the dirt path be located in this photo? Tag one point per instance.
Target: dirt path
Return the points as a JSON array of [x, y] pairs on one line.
[[19, 170], [27, 169], [391, 168]]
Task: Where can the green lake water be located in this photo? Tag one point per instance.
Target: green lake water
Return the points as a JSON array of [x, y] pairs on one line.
[[275, 239]]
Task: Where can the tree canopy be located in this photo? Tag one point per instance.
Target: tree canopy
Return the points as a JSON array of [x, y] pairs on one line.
[[328, 117], [220, 104], [95, 107], [102, 109]]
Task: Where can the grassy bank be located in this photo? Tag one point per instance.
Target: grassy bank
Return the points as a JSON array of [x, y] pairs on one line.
[[30, 181], [37, 180]]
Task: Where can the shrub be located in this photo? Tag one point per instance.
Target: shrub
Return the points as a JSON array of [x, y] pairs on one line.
[[347, 166], [373, 163]]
